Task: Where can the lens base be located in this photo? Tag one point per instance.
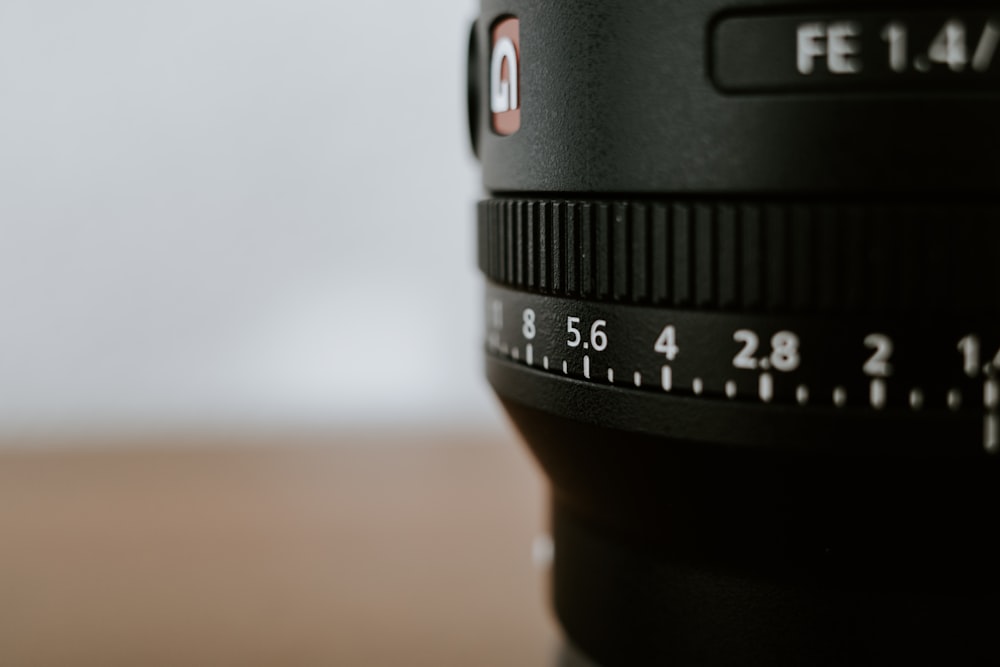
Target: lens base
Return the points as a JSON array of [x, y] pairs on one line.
[[672, 551], [625, 605]]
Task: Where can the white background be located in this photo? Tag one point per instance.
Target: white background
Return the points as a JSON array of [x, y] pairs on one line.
[[229, 213]]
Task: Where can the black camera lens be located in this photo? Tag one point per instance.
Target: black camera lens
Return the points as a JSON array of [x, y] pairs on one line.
[[743, 303]]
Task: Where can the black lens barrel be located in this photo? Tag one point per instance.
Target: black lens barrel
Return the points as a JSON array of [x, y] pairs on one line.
[[743, 304], [624, 97]]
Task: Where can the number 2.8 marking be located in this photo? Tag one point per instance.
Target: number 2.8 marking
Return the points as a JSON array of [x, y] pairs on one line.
[[784, 350]]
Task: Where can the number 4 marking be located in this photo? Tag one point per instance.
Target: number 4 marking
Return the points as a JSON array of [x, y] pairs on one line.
[[666, 344]]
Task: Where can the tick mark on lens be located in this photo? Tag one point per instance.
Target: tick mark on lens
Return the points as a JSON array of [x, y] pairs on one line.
[[765, 387], [637, 379], [565, 368], [697, 386], [666, 378], [954, 399], [840, 397], [730, 389], [529, 354], [877, 394], [916, 398], [991, 433], [611, 375], [802, 394], [586, 367], [991, 394], [545, 363], [515, 354]]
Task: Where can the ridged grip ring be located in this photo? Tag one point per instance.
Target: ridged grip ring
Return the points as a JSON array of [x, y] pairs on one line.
[[749, 255]]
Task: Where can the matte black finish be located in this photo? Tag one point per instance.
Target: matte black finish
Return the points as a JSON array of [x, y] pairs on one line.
[[685, 553], [617, 97], [743, 303]]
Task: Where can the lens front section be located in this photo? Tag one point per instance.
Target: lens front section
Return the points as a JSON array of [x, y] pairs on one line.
[[789, 444], [742, 302]]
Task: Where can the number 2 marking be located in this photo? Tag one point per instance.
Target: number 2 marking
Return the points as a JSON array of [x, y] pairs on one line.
[[878, 364], [744, 359]]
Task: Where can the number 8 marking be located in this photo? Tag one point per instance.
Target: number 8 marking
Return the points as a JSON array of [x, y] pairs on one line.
[[528, 328]]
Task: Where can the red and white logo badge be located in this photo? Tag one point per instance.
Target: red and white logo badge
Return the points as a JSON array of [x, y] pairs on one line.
[[505, 76]]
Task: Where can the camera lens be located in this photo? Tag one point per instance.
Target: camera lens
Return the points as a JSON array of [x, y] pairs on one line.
[[743, 303]]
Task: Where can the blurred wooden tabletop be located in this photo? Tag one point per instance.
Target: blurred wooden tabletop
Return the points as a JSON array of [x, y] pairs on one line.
[[350, 550]]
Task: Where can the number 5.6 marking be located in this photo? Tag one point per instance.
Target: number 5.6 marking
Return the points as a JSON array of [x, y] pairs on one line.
[[598, 338]]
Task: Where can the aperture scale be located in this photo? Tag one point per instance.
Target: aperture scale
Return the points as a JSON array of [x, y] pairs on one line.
[[920, 376]]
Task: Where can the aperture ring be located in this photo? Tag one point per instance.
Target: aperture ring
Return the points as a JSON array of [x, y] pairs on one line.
[[749, 256]]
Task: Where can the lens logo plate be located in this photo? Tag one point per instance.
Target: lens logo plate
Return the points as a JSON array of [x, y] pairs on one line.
[[505, 76]]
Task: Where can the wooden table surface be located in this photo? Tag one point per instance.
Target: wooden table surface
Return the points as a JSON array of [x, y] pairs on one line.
[[384, 549]]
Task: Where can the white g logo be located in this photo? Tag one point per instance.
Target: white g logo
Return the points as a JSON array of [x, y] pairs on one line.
[[503, 92]]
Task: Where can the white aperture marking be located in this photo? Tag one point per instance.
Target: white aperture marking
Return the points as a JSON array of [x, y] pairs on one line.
[[991, 394], [954, 399], [802, 394], [765, 387], [839, 397], [877, 393], [991, 433]]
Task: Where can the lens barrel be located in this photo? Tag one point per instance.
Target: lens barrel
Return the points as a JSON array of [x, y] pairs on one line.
[[743, 303]]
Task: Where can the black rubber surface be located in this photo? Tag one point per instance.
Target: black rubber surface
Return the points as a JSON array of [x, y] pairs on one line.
[[749, 256]]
